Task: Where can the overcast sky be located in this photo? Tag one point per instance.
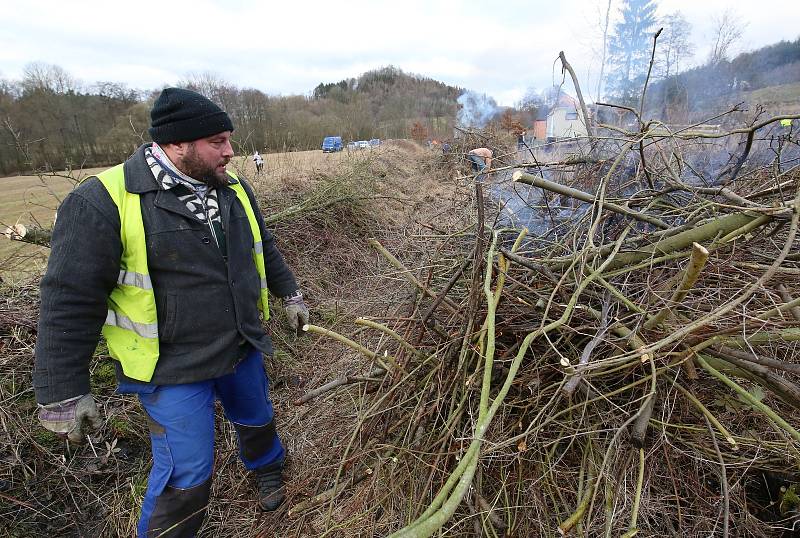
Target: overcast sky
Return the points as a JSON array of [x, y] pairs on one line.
[[501, 48]]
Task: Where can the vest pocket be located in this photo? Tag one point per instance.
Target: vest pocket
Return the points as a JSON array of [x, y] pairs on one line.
[[167, 316]]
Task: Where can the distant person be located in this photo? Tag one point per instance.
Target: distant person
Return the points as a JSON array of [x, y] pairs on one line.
[[521, 140], [259, 162], [445, 147], [167, 255], [481, 159]]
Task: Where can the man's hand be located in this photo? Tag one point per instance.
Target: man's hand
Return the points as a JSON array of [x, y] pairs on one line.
[[67, 417], [296, 310]]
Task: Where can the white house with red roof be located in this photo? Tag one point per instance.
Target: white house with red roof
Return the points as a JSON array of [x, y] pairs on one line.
[[565, 119]]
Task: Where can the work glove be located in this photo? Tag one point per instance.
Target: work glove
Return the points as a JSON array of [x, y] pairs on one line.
[[296, 310], [67, 418]]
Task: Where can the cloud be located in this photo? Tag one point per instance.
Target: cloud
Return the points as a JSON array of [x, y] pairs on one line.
[[290, 47]]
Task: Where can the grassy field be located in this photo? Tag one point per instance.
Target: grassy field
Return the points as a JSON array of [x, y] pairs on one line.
[[784, 96], [33, 200]]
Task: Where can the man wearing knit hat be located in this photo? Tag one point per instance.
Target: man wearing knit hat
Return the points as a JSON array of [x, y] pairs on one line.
[[167, 255]]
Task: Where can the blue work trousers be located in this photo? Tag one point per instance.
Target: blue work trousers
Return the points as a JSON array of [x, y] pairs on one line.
[[181, 422], [478, 162]]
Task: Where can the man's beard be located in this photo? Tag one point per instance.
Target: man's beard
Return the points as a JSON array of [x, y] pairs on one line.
[[195, 168]]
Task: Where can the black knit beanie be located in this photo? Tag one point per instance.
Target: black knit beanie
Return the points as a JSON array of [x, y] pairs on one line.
[[180, 115]]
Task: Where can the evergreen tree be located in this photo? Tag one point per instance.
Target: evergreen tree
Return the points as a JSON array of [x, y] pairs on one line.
[[629, 49]]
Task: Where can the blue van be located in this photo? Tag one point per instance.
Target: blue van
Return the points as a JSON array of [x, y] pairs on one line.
[[331, 144]]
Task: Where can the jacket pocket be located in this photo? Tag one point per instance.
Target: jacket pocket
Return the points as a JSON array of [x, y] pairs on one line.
[[167, 316]]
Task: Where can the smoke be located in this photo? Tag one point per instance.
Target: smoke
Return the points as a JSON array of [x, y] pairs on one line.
[[477, 109], [712, 163], [524, 206]]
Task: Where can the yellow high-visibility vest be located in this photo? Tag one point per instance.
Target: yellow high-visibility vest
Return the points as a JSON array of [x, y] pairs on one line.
[[131, 326]]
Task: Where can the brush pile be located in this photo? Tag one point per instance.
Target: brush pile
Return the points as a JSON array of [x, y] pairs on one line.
[[629, 368]]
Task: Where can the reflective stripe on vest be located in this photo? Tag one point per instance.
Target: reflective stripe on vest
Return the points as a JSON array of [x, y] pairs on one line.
[[258, 246], [131, 326]]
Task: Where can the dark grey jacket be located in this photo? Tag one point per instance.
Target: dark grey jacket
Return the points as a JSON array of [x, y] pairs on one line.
[[207, 305]]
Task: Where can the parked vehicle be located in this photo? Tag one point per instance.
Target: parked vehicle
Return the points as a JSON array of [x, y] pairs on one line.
[[362, 144], [351, 146], [375, 142], [331, 144]]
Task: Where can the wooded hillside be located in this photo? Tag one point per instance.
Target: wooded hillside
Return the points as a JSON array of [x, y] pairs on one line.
[[712, 87], [50, 121]]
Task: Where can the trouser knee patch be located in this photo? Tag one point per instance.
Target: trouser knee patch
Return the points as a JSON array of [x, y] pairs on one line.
[[154, 427], [255, 441]]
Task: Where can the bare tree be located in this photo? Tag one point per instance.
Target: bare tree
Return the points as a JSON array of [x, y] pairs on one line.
[[213, 86], [728, 29], [49, 77], [604, 23], [674, 46]]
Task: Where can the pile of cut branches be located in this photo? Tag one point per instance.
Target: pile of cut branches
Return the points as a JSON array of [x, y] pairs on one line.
[[628, 368]]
